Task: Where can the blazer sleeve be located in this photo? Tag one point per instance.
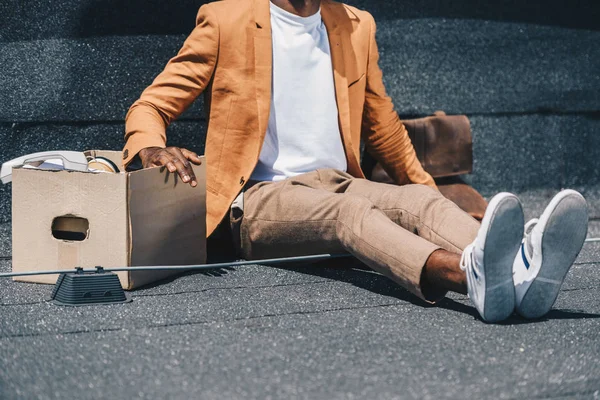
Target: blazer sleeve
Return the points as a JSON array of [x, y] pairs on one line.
[[384, 135], [183, 79]]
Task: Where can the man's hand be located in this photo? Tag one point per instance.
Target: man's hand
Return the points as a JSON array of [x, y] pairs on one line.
[[175, 159]]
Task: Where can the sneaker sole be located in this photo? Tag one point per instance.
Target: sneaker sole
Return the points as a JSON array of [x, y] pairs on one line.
[[503, 239], [564, 224]]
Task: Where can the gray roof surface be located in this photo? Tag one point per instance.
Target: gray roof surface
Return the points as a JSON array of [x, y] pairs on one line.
[[306, 331]]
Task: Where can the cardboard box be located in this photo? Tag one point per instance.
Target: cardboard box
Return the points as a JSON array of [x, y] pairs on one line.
[[66, 219]]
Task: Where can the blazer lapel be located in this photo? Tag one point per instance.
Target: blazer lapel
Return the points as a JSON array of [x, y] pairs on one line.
[[263, 63], [339, 43]]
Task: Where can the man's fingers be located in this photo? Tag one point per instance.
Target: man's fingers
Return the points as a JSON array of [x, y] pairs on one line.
[[166, 160], [190, 155], [184, 168], [175, 160], [194, 158]]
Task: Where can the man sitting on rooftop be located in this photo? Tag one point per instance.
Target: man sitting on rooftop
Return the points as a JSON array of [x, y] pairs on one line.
[[291, 88]]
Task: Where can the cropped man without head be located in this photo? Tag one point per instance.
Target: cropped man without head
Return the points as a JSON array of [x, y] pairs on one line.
[[291, 88]]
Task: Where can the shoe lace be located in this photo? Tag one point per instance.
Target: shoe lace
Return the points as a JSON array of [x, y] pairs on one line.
[[529, 226], [467, 257], [468, 263]]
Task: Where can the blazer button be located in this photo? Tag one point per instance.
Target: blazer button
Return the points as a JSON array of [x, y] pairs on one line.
[[242, 181], [125, 154]]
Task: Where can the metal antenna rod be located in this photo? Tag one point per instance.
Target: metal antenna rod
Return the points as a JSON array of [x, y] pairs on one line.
[[270, 261]]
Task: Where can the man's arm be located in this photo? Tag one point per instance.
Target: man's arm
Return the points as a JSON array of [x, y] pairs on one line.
[[384, 135], [184, 78]]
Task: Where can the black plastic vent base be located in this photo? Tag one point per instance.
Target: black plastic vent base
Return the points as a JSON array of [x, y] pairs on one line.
[[87, 288]]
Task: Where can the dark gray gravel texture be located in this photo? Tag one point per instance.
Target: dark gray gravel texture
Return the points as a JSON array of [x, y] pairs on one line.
[[5, 203], [94, 79], [307, 331], [516, 153], [32, 19], [460, 66]]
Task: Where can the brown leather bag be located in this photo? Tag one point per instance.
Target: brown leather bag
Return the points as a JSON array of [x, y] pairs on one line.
[[444, 146], [443, 143]]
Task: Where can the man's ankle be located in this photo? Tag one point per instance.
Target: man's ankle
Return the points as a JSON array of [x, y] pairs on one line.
[[442, 271]]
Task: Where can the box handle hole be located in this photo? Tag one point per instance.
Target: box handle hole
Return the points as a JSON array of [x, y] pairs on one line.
[[70, 228]]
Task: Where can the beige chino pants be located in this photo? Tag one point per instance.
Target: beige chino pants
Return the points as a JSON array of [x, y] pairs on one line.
[[392, 229]]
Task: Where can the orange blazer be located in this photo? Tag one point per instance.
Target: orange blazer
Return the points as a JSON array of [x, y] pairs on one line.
[[228, 57]]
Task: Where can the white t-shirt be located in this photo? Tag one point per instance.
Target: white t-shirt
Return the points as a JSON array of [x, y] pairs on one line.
[[303, 133]]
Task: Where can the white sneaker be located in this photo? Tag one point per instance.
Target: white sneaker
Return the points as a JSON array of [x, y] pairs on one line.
[[550, 247], [488, 260]]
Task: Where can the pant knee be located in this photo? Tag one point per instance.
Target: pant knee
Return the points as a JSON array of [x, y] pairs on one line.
[[353, 213], [430, 199]]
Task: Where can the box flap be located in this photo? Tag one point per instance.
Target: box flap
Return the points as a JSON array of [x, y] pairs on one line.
[[167, 220]]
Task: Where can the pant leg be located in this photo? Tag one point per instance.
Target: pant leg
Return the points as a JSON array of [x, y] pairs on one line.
[[421, 210], [314, 213]]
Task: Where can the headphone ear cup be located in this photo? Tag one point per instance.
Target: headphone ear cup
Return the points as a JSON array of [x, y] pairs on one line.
[[103, 164]]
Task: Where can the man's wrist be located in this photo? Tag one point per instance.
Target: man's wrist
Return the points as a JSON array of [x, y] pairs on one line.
[[135, 164], [144, 153]]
